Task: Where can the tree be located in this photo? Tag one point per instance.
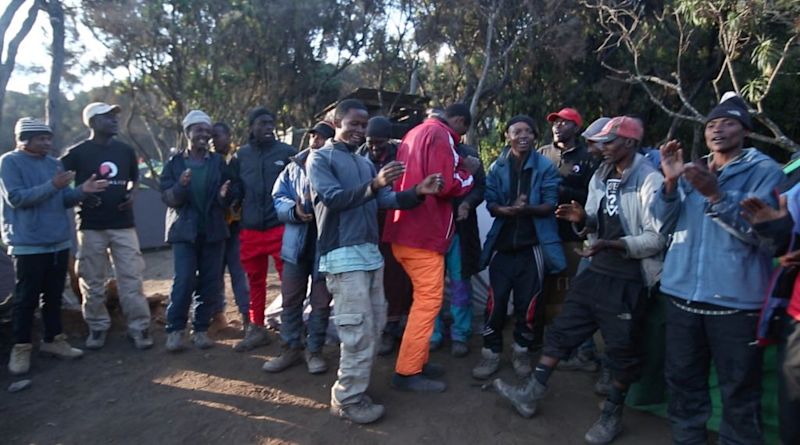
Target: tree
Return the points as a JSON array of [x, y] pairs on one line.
[[53, 108], [7, 65]]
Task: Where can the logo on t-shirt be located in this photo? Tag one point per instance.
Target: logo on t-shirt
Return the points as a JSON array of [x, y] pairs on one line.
[[576, 168], [108, 170], [612, 196]]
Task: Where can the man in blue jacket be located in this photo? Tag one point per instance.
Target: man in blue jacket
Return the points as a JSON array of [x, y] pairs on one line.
[[715, 274]]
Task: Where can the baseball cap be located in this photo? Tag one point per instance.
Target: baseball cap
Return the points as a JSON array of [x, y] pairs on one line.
[[95, 108], [569, 114], [324, 129], [595, 127], [620, 126]]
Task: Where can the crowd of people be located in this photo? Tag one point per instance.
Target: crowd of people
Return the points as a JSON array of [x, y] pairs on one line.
[[374, 232]]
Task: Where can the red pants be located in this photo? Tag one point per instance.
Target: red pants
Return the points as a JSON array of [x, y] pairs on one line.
[[257, 247]]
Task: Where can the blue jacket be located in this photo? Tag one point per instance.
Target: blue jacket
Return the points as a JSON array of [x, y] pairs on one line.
[[545, 180], [293, 185], [182, 217], [715, 256], [33, 209]]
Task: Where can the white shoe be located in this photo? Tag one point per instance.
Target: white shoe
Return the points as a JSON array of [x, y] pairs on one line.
[[20, 360], [60, 348]]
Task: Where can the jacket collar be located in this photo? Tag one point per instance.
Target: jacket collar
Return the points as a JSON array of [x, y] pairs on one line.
[[437, 121], [300, 158], [186, 154], [505, 155]]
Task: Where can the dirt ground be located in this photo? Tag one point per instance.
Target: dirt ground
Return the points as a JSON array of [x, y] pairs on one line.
[[120, 395]]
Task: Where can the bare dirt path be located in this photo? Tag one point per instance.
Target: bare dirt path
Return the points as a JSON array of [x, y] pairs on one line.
[[120, 395]]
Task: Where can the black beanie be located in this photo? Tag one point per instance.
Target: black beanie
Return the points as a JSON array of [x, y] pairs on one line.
[[734, 107], [523, 118], [379, 127], [257, 112]]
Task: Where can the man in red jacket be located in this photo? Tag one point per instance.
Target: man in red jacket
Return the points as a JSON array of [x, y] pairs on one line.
[[421, 236]]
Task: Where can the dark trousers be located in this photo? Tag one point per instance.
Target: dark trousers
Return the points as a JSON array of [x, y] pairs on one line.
[[294, 285], [520, 272], [616, 307], [396, 286], [39, 277], [198, 267], [693, 341], [789, 381]]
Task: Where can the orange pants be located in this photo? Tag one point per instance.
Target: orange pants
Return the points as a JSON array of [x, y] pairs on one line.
[[426, 270]]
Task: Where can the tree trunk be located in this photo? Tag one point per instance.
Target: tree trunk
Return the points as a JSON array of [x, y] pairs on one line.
[[476, 97], [7, 65], [53, 109]]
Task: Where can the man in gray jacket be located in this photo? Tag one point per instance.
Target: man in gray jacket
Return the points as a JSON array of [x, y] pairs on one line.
[[625, 261], [347, 192]]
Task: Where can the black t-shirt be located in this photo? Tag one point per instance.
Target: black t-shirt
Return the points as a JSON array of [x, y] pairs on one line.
[[610, 261], [115, 162], [518, 232]]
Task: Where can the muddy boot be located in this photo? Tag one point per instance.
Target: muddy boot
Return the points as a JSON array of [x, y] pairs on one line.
[[608, 426], [288, 357], [254, 337], [201, 340], [362, 412], [315, 362], [489, 364], [60, 348], [524, 397], [521, 360], [417, 383], [20, 360], [174, 341]]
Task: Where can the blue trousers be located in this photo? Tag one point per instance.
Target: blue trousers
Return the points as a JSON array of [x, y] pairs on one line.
[[198, 266], [460, 299]]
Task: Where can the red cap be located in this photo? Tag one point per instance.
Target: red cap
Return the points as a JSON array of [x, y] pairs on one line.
[[568, 114], [620, 126]]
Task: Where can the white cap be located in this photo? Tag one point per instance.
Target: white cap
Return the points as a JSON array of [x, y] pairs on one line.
[[95, 108], [30, 125], [195, 117]]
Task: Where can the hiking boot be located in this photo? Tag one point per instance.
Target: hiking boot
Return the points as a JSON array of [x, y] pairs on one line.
[[288, 357], [201, 340], [432, 370], [578, 363], [388, 343], [489, 364], [59, 348], [524, 397], [521, 360], [608, 426], [459, 349], [254, 337], [20, 360], [174, 341], [315, 362], [417, 383], [362, 412], [603, 385], [96, 339], [141, 338]]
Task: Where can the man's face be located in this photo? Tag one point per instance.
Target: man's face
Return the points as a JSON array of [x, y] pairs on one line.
[[317, 140], [724, 134], [39, 145], [263, 129], [220, 140], [520, 136], [378, 146], [564, 130], [199, 135], [352, 127], [618, 150], [106, 124], [457, 124]]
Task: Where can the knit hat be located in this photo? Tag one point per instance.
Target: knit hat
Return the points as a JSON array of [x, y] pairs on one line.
[[195, 117], [523, 118], [324, 129], [257, 112], [95, 108], [28, 127], [595, 127], [731, 106], [379, 127]]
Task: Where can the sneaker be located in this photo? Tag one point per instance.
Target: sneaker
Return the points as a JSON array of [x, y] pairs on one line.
[[417, 383], [20, 360], [201, 340], [315, 362], [60, 348], [96, 339], [141, 338], [489, 364], [388, 343], [175, 341], [254, 337], [288, 358], [578, 363], [603, 385], [524, 397], [362, 412], [521, 361], [607, 427], [459, 349]]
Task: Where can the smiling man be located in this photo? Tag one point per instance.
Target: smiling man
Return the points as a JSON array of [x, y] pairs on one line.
[[106, 225]]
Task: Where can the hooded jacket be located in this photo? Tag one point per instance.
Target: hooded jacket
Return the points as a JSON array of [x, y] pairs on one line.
[[259, 168], [715, 256], [427, 149]]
